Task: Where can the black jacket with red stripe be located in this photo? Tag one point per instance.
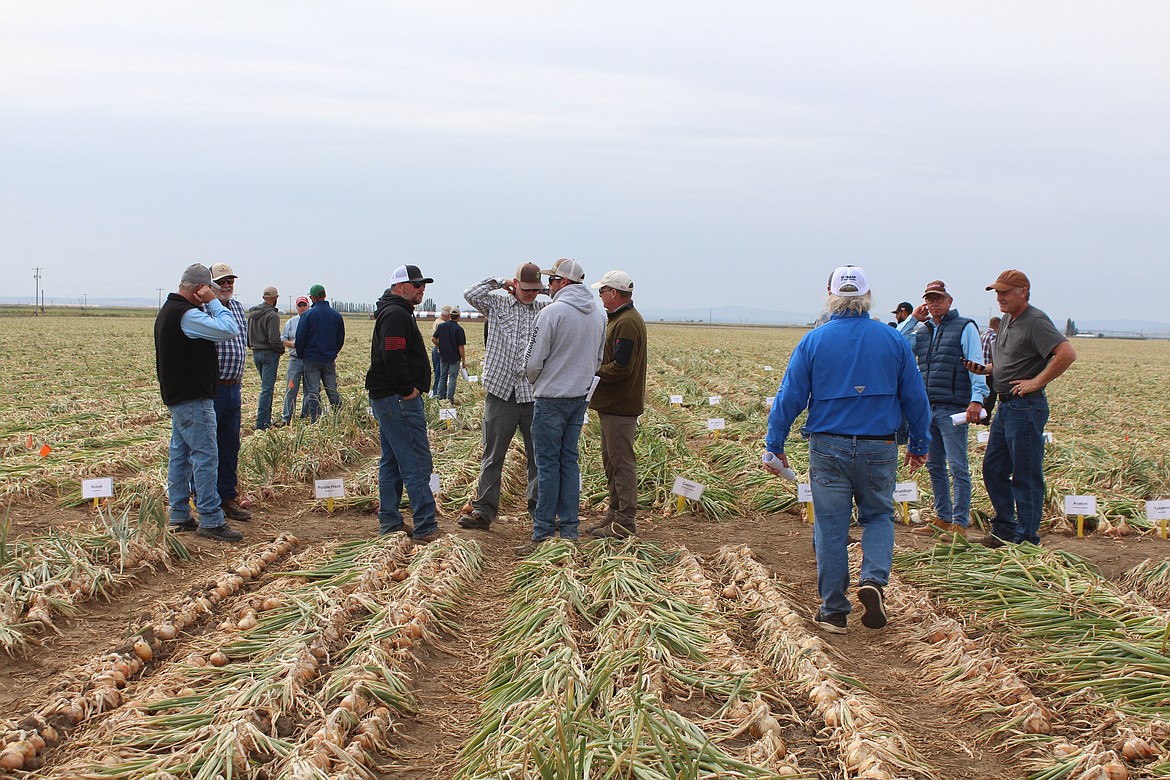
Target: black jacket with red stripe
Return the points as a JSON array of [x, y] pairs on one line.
[[399, 361]]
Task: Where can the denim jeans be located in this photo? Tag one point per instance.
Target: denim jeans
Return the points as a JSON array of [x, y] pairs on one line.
[[194, 459], [266, 361], [556, 428], [948, 452], [319, 373], [448, 378], [436, 364], [406, 461], [227, 437], [842, 471], [296, 373], [1013, 467], [500, 420]]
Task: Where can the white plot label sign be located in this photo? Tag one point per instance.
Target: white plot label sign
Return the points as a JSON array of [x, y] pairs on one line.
[[330, 488], [448, 414], [905, 492], [97, 488], [1158, 510], [436, 483], [716, 424], [714, 400], [804, 493], [1080, 505], [687, 489]]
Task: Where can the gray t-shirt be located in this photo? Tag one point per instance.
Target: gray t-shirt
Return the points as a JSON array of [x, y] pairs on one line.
[[1023, 346]]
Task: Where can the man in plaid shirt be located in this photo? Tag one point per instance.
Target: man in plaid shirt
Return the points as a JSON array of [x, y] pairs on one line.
[[987, 340], [233, 355], [510, 307]]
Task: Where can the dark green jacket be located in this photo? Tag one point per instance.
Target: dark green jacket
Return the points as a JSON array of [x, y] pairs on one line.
[[622, 389]]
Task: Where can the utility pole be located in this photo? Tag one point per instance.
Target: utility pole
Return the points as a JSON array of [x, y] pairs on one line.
[[37, 298], [159, 296], [84, 302]]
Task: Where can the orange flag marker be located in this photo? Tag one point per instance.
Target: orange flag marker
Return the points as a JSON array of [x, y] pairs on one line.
[[45, 450]]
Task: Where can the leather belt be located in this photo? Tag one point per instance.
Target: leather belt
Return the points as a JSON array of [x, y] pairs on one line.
[[881, 437], [227, 382]]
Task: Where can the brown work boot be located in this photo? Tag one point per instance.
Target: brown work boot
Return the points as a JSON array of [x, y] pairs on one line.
[[611, 531], [233, 511]]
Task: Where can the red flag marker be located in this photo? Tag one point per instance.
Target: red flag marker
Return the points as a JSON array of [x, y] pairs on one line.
[[45, 450], [30, 444]]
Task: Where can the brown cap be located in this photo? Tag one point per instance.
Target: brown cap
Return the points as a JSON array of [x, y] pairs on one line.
[[528, 277], [1009, 280], [270, 292], [937, 287]]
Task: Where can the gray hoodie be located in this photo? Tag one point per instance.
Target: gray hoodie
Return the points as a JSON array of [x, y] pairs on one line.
[[568, 340]]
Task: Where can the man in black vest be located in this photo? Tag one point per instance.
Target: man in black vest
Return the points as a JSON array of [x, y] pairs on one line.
[[185, 335], [941, 343]]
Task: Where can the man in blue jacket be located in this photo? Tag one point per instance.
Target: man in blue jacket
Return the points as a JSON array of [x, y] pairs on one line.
[[857, 378], [320, 336]]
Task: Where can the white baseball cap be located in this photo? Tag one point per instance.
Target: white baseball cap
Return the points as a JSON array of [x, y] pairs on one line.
[[618, 280], [849, 281], [221, 271]]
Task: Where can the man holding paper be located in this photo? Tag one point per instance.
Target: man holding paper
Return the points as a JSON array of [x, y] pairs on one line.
[[942, 341], [618, 400], [858, 379]]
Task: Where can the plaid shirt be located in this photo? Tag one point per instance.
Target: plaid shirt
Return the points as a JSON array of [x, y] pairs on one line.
[[987, 339], [509, 332], [234, 352]]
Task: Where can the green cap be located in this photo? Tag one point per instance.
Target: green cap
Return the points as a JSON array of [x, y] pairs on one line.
[[317, 291]]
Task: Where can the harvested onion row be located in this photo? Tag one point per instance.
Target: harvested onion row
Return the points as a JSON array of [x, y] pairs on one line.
[[370, 674], [240, 704], [756, 718], [869, 743], [96, 686], [51, 575], [959, 667]]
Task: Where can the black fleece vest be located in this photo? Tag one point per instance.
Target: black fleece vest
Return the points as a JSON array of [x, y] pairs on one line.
[[187, 367]]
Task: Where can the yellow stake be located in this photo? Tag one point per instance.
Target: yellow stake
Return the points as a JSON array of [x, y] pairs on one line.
[[682, 504], [715, 433], [905, 512], [95, 502], [329, 505], [1164, 531], [811, 519], [448, 423], [1080, 525]]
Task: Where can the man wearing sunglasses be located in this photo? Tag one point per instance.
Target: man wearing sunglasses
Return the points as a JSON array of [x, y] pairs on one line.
[[296, 366], [567, 341], [399, 375]]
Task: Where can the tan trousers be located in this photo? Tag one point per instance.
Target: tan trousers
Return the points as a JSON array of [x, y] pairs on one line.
[[621, 469]]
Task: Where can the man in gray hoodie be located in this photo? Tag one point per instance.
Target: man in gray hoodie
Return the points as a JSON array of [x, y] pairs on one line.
[[568, 339], [264, 339]]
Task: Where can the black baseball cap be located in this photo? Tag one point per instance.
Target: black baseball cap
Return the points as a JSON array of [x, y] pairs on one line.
[[903, 306]]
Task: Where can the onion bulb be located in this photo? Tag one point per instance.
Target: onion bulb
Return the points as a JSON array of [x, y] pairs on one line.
[[142, 649], [217, 659], [11, 759]]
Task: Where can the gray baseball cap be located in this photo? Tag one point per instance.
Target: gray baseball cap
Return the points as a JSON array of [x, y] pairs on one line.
[[197, 274]]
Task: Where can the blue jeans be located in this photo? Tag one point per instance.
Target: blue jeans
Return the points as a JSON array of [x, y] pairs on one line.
[[843, 471], [436, 364], [194, 459], [1013, 467], [406, 461], [266, 361], [296, 372], [948, 451], [556, 428], [319, 373], [448, 378], [227, 437]]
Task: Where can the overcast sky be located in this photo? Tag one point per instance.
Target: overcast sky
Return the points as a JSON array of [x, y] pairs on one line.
[[721, 152]]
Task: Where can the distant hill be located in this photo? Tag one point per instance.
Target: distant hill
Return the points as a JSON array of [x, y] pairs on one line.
[[1125, 326], [730, 315]]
